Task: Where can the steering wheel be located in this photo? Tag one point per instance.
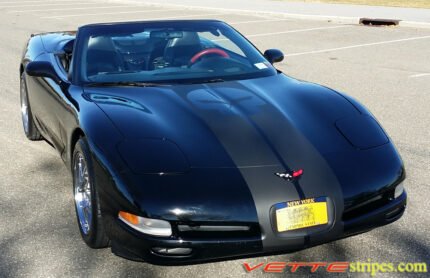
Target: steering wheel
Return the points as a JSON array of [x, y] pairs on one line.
[[208, 51]]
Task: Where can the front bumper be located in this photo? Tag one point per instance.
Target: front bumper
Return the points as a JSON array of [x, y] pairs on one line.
[[133, 245]]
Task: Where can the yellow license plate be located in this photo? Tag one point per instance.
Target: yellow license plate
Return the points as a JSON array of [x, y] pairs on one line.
[[300, 214]]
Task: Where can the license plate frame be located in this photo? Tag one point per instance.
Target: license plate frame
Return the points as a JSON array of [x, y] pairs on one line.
[[301, 214]]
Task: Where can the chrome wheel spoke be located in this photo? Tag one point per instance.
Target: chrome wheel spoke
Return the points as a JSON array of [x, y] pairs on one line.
[[24, 108], [82, 194]]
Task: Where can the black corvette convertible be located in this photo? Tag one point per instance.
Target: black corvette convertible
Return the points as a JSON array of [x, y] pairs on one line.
[[185, 143]]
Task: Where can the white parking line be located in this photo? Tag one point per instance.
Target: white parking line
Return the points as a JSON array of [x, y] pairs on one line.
[[296, 31], [258, 21], [419, 75], [356, 46], [287, 32], [43, 1], [344, 19], [174, 17], [68, 9], [39, 5], [111, 13]]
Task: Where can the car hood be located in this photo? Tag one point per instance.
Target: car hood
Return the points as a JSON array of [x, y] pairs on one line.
[[252, 127], [253, 118]]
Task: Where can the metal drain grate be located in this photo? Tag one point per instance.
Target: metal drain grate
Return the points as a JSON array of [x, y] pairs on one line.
[[379, 22]]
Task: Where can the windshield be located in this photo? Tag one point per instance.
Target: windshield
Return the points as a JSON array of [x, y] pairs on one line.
[[167, 52]]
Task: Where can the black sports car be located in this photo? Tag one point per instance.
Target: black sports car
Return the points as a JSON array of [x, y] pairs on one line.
[[186, 144]]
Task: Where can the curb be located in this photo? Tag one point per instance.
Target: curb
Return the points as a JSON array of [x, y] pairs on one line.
[[328, 18]]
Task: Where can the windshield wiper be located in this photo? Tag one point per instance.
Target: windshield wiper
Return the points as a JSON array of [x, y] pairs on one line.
[[125, 84]]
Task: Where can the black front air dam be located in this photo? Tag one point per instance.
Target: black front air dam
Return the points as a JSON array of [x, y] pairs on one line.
[[136, 246]]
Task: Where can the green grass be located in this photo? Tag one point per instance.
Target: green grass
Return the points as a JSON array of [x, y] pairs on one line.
[[391, 3]]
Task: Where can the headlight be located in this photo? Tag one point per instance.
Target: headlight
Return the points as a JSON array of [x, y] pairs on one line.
[[362, 131], [399, 190], [148, 226], [153, 156]]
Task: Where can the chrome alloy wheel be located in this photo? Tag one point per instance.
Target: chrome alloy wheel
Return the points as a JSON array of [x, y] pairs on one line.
[[82, 192], [24, 107]]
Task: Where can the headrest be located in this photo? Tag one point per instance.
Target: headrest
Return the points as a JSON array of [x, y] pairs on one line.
[[101, 43], [188, 38]]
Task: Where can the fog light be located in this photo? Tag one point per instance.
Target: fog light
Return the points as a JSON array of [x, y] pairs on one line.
[[399, 190], [155, 227], [172, 251]]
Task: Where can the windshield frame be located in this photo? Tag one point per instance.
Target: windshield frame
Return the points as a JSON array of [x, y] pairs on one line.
[[85, 32]]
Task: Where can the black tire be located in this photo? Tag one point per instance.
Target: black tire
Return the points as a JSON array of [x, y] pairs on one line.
[[95, 236], [30, 128]]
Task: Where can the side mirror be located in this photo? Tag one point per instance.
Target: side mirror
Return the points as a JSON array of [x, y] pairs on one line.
[[274, 55], [42, 69]]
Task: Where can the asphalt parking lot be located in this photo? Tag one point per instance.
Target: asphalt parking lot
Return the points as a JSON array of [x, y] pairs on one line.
[[386, 68]]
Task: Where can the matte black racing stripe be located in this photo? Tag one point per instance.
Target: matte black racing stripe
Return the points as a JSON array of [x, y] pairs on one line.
[[276, 126], [227, 123], [319, 179]]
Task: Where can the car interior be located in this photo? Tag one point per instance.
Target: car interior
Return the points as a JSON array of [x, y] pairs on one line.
[[106, 54], [133, 53], [66, 56], [158, 55]]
